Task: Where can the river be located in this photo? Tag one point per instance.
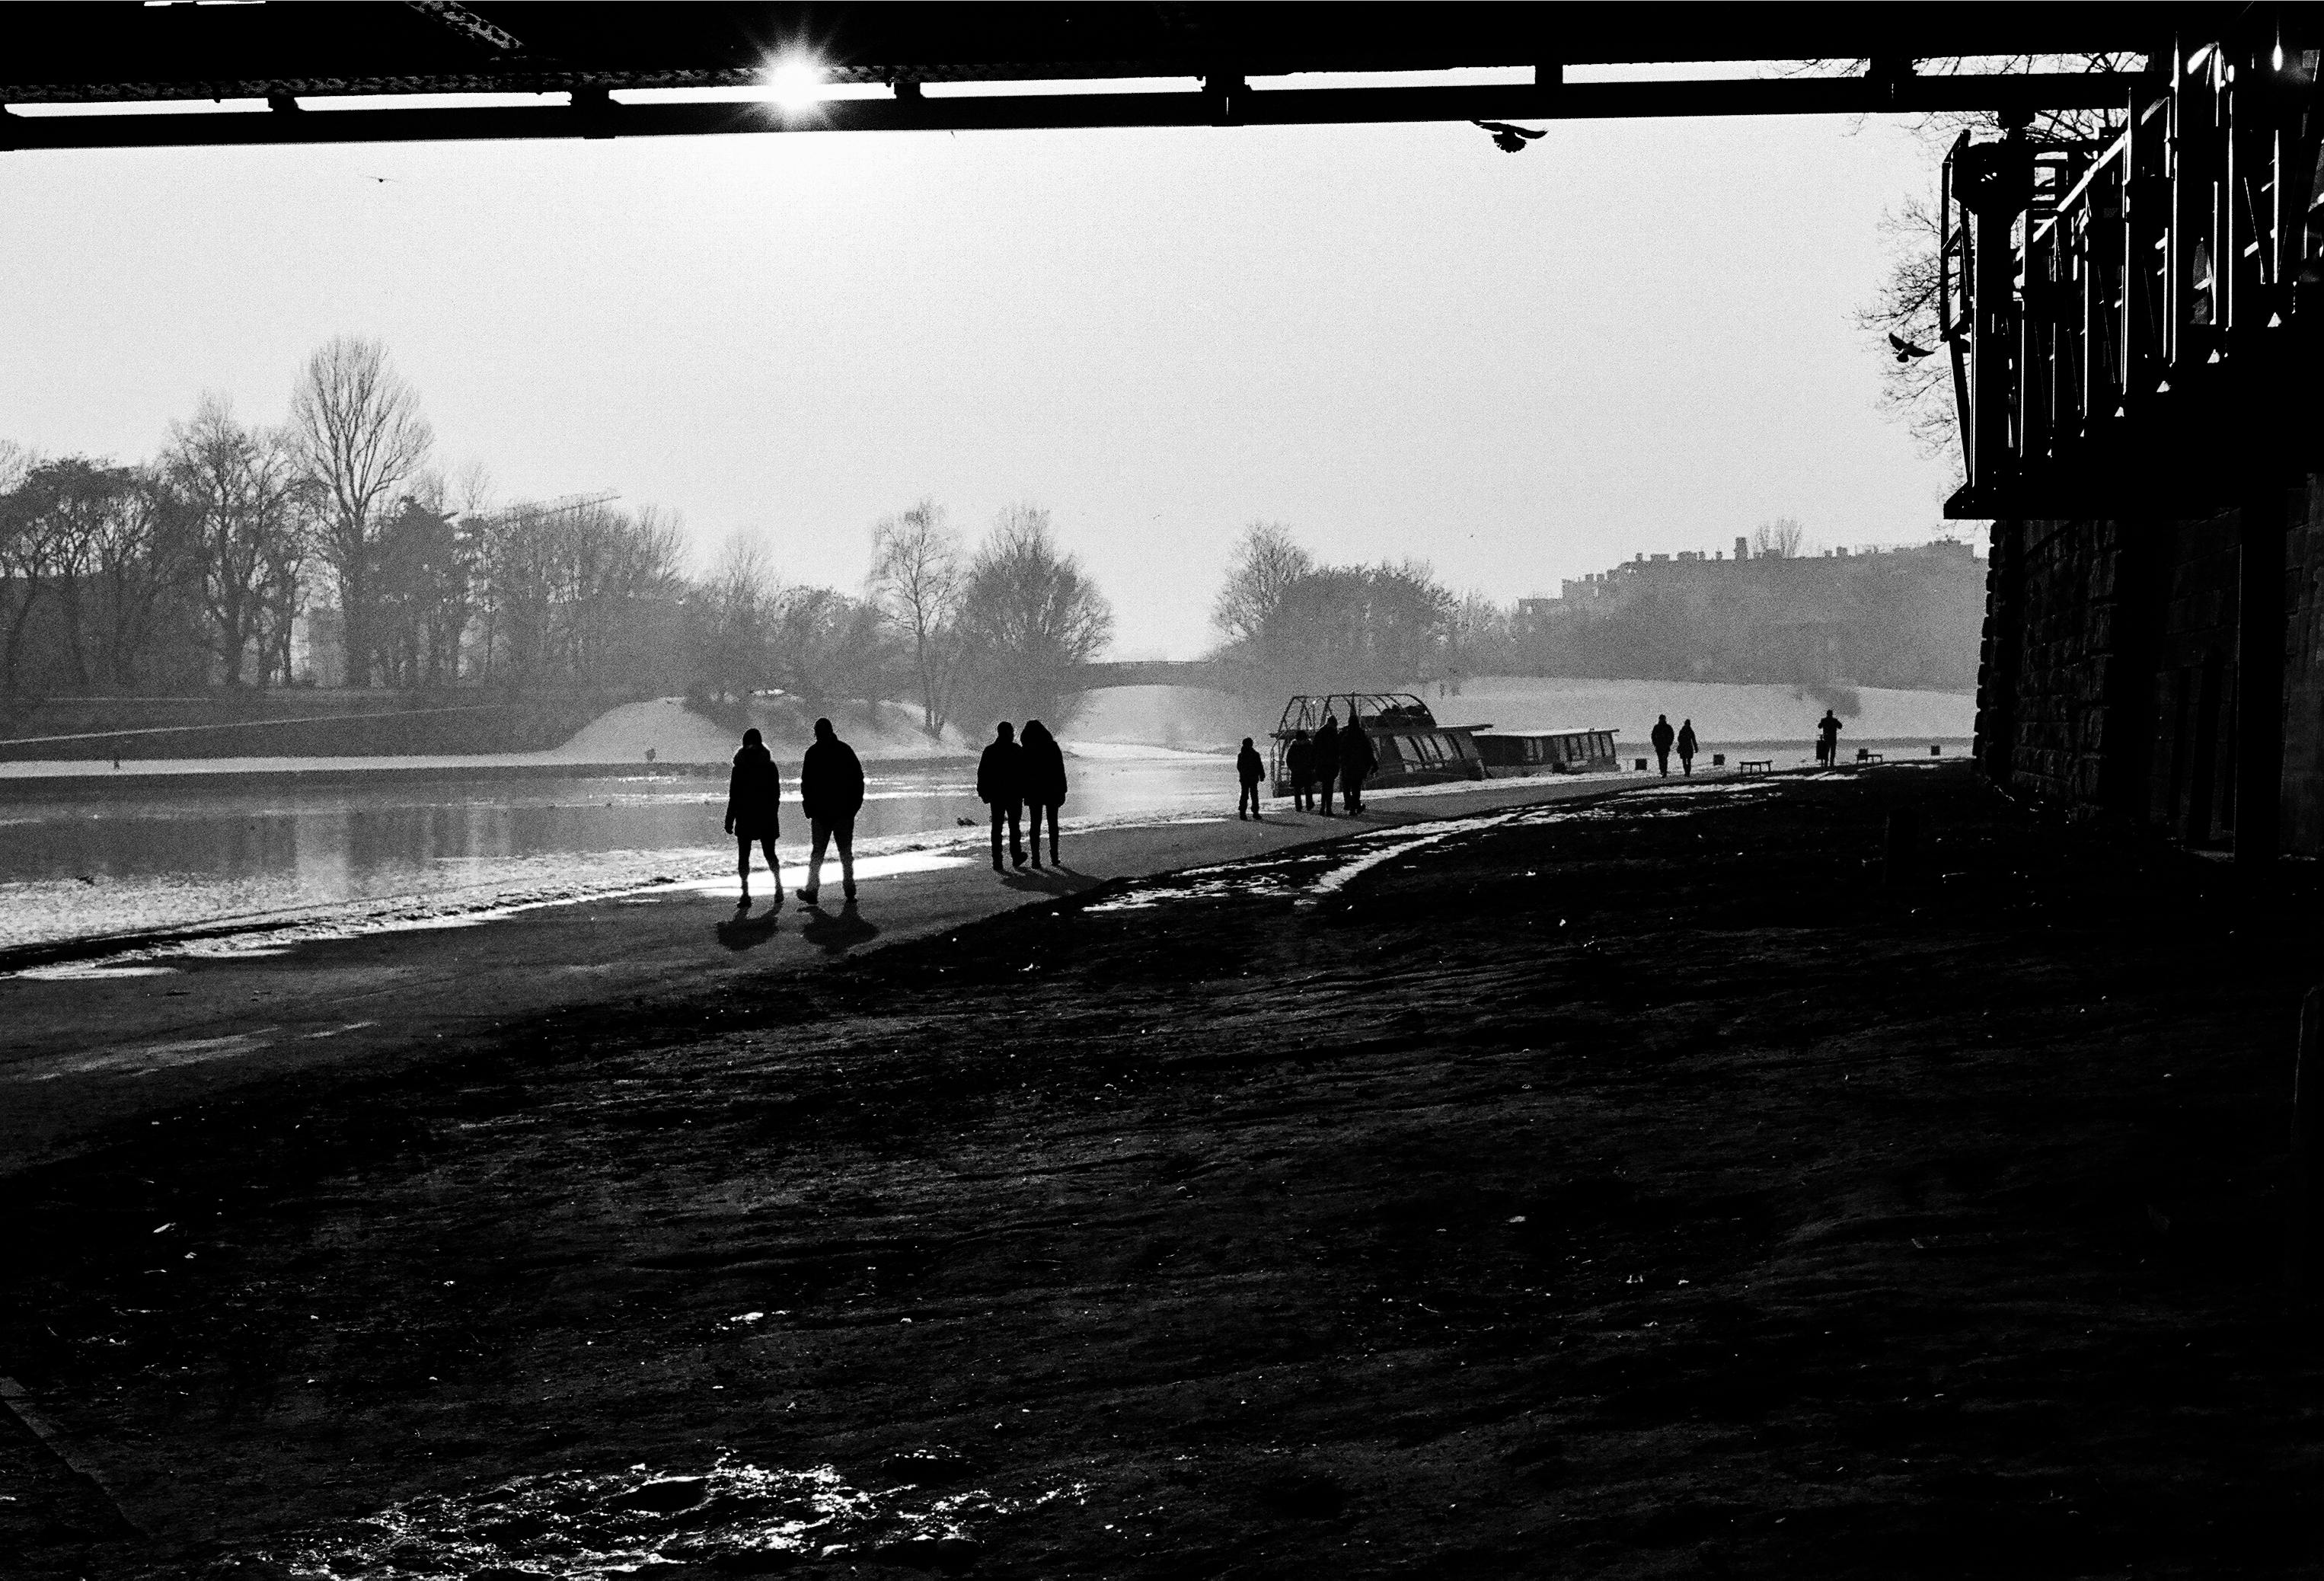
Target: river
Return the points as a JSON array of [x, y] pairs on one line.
[[171, 854]]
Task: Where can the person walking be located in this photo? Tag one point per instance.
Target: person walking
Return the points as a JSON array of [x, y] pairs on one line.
[[831, 791], [1827, 739], [1001, 785], [1327, 759], [1045, 785], [1661, 736], [1686, 745], [754, 794], [1357, 761], [1299, 764], [1250, 769]]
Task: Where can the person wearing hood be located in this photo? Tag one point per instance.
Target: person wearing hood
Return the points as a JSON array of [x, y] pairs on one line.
[[1045, 785], [1299, 766], [1327, 760], [754, 794], [1661, 736], [1357, 761], [831, 789], [1686, 745], [1250, 769], [1001, 785]]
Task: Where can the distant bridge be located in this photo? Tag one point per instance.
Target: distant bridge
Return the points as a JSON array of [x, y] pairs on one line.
[[1202, 672]]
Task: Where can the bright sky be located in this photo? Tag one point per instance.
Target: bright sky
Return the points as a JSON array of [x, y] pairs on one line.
[[1635, 337]]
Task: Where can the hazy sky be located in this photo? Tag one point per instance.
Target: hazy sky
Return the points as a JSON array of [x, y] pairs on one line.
[[1634, 336]]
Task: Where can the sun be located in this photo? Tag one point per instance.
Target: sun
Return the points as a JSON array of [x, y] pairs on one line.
[[795, 80]]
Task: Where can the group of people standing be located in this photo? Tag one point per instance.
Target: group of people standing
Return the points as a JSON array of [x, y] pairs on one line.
[[1330, 756], [1013, 774], [831, 792], [1664, 738]]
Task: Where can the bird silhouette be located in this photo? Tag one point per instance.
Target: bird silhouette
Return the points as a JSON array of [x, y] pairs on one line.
[[1510, 139], [1905, 350]]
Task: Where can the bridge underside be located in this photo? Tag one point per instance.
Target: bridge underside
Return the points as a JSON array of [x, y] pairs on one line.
[[321, 73]]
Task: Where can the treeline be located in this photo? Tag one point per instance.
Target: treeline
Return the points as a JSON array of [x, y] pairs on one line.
[[1288, 623], [330, 550]]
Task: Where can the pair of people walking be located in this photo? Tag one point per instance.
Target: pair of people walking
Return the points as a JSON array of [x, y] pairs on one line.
[[1664, 739], [1332, 755], [1013, 774], [830, 793]]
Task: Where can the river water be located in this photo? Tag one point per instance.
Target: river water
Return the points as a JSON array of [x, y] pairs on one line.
[[167, 856]]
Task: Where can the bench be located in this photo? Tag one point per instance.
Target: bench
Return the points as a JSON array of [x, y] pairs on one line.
[[1865, 756], [1755, 765]]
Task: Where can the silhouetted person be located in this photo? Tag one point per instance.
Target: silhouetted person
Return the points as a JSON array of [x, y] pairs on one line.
[[1250, 769], [1661, 736], [1827, 739], [1044, 784], [1001, 785], [754, 791], [1357, 761], [1686, 744], [1299, 763], [1327, 759], [831, 789]]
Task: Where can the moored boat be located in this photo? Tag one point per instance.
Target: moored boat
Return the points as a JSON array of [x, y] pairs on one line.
[[1549, 752], [1412, 747]]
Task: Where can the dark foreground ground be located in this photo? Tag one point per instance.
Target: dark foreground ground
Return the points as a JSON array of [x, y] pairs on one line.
[[1626, 1191]]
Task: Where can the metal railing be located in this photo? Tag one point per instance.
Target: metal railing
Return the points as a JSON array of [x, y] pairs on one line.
[[2119, 315]]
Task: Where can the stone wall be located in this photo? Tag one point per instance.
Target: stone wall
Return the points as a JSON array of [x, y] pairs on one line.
[[2108, 675]]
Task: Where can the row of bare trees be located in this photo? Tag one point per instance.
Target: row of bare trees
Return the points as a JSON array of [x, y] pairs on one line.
[[1293, 623], [1001, 630], [206, 564]]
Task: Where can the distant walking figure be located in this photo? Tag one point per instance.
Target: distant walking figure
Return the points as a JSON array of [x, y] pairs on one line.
[[831, 789], [1250, 769], [1661, 736], [754, 791], [1327, 759], [1299, 764], [1827, 739], [1686, 744], [1044, 784], [1001, 785], [1357, 761]]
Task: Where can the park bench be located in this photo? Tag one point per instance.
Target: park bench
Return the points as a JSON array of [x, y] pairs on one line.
[[1755, 765], [1866, 755]]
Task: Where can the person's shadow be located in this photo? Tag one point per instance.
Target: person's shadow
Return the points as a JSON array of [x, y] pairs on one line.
[[831, 935], [1052, 880], [745, 931]]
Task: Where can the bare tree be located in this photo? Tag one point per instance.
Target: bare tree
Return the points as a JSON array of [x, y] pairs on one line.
[[738, 604], [1030, 619], [249, 493], [1781, 539], [916, 576], [361, 435], [1267, 562]]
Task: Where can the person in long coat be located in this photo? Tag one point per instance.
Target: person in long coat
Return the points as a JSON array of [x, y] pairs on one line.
[[1357, 761], [1001, 785], [1661, 736], [1250, 769], [1045, 786], [754, 794], [1299, 765], [1327, 759], [1686, 745], [831, 789]]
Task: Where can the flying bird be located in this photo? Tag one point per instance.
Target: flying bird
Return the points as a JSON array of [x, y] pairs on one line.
[[1510, 139], [1905, 350]]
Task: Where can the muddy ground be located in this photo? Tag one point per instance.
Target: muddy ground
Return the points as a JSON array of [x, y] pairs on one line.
[[1638, 1190]]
